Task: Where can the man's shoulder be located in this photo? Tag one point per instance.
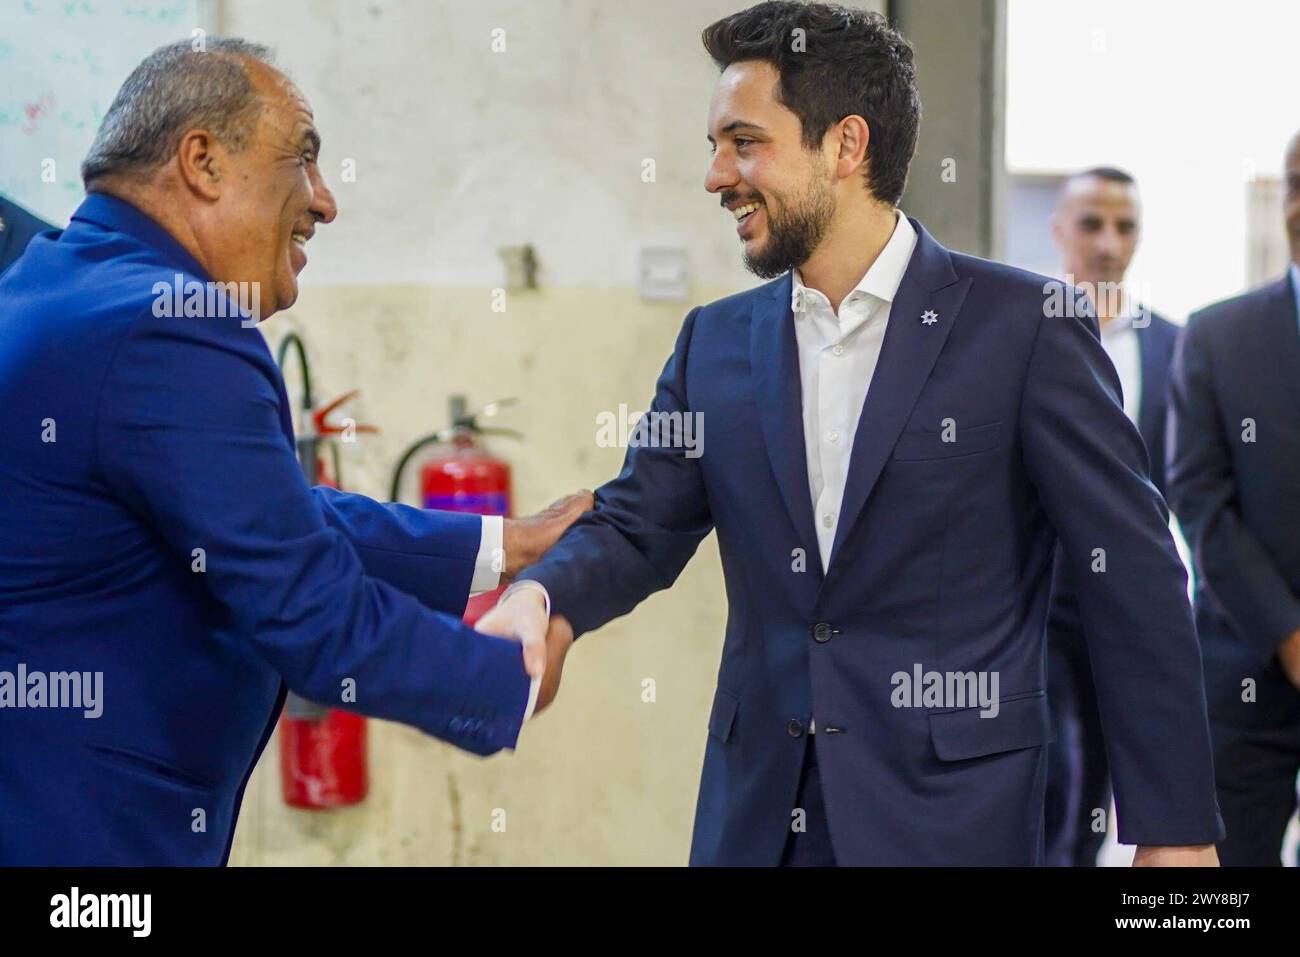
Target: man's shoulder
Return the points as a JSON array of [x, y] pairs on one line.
[[1009, 294], [1155, 331], [95, 292], [741, 303], [1006, 296], [1227, 315]]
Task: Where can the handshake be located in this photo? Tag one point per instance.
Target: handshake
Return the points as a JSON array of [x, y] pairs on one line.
[[524, 611]]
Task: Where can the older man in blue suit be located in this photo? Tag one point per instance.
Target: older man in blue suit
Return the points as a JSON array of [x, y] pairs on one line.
[[165, 571], [897, 436]]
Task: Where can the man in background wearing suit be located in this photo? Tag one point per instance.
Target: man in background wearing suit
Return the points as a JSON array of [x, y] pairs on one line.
[[1096, 225], [897, 436], [1234, 483], [17, 229]]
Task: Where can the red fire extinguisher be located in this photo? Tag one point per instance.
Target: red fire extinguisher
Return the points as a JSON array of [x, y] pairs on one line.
[[461, 475], [322, 750]]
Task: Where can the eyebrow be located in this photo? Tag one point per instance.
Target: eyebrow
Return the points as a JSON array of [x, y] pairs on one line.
[[737, 125]]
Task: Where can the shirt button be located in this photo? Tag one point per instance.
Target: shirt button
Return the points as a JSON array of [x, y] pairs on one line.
[[828, 520], [838, 350], [833, 435]]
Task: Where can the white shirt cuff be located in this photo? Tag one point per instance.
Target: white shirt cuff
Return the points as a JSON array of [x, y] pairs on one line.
[[491, 559], [536, 683], [534, 687]]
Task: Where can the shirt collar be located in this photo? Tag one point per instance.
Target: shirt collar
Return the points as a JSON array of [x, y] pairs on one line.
[[1123, 322], [120, 216], [886, 273]]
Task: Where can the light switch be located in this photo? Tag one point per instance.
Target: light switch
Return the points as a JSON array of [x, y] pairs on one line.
[[664, 274]]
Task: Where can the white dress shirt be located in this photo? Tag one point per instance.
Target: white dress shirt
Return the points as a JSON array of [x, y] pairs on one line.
[[491, 555], [487, 575], [1120, 340], [837, 358]]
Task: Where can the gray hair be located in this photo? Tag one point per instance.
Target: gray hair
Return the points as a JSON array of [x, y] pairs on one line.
[[174, 89]]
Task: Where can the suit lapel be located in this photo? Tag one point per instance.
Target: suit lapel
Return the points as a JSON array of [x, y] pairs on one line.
[[907, 355], [774, 361], [1150, 356]]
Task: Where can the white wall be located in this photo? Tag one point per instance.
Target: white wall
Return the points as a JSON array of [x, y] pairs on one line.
[[460, 150], [1193, 98]]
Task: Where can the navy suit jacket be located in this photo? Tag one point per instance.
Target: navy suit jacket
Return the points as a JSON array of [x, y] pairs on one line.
[[17, 228], [1239, 501], [942, 558], [172, 435], [1156, 341]]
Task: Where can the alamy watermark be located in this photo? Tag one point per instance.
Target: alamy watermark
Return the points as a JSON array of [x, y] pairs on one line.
[[53, 689], [945, 689], [192, 299], [1119, 299], [129, 911], [653, 430]]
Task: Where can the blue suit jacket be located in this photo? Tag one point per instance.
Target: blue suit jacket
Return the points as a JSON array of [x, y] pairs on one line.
[[1239, 501], [171, 435], [1156, 341], [17, 228], [942, 558]]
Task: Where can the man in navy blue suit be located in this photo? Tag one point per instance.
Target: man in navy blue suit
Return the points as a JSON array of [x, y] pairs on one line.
[[1234, 483], [897, 437], [165, 571], [18, 227], [1096, 226]]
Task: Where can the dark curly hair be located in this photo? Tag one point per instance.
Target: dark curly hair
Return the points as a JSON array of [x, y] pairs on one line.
[[844, 62]]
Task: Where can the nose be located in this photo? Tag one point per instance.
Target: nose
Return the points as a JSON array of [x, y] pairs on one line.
[[323, 207], [721, 173], [1108, 242]]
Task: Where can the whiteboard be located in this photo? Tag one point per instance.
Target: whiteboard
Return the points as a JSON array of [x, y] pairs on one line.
[[61, 63]]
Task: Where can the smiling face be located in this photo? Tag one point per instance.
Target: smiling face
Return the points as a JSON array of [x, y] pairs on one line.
[[272, 195], [780, 192]]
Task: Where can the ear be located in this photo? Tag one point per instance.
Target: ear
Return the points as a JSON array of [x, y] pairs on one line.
[[201, 161], [854, 134], [1054, 221]]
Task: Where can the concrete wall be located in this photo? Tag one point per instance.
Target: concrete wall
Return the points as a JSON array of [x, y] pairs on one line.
[[459, 150], [956, 182]]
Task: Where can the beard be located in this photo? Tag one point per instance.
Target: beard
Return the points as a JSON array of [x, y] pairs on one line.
[[794, 232]]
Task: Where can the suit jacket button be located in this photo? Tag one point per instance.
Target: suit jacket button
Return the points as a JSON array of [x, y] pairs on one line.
[[822, 632], [795, 727]]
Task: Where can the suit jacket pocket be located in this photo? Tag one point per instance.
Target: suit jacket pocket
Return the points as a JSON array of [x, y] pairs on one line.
[[967, 440], [723, 715], [152, 767], [1021, 722]]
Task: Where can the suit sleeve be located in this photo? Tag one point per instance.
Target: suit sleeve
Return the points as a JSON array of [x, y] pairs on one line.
[[646, 523], [424, 552], [1232, 565], [1088, 464], [189, 436]]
